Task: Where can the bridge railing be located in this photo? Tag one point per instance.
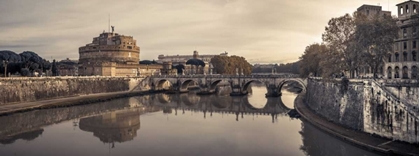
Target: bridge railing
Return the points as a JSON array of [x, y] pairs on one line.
[[225, 76]]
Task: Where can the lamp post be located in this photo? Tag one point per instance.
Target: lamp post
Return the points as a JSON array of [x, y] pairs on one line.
[[5, 62]]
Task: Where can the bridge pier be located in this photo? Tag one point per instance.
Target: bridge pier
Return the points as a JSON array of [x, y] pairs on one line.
[[272, 91]]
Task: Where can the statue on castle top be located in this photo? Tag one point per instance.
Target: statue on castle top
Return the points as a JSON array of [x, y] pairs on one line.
[[112, 27]]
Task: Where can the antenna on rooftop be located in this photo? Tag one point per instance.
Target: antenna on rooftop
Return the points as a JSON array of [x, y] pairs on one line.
[[109, 22]]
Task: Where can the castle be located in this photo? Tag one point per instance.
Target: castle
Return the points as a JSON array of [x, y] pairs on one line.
[[112, 54]]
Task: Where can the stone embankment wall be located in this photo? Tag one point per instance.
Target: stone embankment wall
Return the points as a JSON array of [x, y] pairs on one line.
[[13, 90], [366, 106]]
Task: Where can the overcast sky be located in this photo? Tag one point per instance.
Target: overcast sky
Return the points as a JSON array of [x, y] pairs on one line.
[[263, 31]]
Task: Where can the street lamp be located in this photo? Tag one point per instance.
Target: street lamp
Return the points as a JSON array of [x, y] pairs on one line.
[[5, 62]]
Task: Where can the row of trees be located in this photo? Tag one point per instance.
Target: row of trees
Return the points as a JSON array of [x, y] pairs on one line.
[[25, 63], [349, 44], [229, 64]]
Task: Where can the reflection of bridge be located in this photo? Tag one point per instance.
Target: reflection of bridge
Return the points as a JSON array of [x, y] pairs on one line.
[[238, 83], [214, 104]]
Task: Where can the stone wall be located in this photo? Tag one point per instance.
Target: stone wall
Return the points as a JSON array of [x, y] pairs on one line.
[[14, 90], [366, 106]]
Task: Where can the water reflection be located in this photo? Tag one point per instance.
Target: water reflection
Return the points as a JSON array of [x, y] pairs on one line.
[[117, 126], [162, 124], [28, 136], [318, 143], [214, 104]]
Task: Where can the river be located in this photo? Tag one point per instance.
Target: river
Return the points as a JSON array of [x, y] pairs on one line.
[[165, 124]]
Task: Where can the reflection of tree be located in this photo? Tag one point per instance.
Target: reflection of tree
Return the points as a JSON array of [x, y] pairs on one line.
[[118, 126], [28, 136]]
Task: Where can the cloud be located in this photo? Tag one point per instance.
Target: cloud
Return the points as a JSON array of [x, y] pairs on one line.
[[268, 31]]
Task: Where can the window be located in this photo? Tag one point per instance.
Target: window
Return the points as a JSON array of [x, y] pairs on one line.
[[397, 72], [367, 12], [389, 58], [397, 57], [414, 8], [129, 54], [129, 47], [414, 31], [406, 9], [405, 72], [414, 44], [404, 32], [405, 45], [414, 72], [414, 55], [389, 73], [401, 10], [405, 56]]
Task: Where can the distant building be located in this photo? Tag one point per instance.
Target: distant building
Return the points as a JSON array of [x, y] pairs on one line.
[[182, 59], [372, 10], [112, 54], [403, 62]]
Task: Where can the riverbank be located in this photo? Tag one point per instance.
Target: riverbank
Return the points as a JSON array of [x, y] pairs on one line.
[[361, 139], [67, 102]]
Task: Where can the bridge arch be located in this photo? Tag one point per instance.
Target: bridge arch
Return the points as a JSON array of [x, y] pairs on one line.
[[214, 84], [246, 85], [300, 81], [184, 85], [160, 84]]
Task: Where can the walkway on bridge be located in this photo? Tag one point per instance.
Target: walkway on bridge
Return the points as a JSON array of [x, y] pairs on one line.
[[361, 139]]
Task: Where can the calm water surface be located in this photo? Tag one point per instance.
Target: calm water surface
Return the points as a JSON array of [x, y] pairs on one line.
[[164, 124]]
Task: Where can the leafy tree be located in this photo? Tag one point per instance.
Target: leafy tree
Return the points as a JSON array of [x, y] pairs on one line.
[[311, 59], [228, 65], [375, 37], [339, 37]]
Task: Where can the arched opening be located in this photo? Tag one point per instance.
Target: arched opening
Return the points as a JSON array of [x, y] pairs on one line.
[[414, 55], [401, 10], [414, 8], [293, 83], [254, 82], [289, 90], [256, 93], [405, 56], [163, 85], [397, 57], [407, 10], [214, 84], [414, 72], [389, 73], [189, 84], [405, 72], [397, 72]]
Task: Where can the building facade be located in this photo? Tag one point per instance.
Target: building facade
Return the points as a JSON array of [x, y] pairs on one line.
[[110, 54], [190, 69], [372, 10], [403, 61]]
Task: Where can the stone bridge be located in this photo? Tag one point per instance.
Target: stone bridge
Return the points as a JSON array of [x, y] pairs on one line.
[[238, 83]]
